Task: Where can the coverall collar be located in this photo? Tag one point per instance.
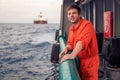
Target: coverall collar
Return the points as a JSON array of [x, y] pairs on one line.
[[78, 25]]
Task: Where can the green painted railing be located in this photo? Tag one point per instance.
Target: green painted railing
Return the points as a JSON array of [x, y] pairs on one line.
[[67, 69]]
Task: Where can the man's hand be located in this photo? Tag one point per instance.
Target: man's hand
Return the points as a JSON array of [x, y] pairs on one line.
[[65, 57], [63, 53]]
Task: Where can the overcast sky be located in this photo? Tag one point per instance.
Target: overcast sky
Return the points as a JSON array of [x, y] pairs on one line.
[[24, 11]]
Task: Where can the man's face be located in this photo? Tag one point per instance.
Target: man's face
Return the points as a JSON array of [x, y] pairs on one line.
[[73, 16]]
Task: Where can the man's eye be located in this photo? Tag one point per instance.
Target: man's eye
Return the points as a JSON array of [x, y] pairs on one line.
[[69, 13], [74, 13]]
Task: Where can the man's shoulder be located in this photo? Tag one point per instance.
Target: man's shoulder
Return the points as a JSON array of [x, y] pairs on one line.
[[86, 21]]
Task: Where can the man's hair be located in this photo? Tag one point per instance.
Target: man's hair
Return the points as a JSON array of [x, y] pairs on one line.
[[74, 6]]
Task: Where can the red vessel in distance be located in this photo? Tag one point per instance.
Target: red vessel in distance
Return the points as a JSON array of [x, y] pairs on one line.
[[40, 19]]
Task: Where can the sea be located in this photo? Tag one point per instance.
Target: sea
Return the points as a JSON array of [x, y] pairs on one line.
[[25, 51]]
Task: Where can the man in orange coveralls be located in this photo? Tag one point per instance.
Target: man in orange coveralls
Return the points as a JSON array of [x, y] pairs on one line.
[[82, 41]]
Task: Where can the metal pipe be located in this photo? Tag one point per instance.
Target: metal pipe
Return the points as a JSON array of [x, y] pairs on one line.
[[67, 69]]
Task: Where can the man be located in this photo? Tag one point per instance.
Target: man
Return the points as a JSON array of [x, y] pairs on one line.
[[82, 41]]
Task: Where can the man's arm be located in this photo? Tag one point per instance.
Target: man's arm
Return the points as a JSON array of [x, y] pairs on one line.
[[76, 50], [74, 53]]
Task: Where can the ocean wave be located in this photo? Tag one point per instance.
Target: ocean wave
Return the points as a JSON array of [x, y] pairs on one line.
[[25, 52]]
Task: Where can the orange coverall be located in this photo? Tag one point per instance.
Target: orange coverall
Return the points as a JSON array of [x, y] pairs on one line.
[[89, 59]]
